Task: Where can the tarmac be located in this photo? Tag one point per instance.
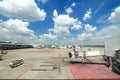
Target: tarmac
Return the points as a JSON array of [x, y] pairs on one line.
[[41, 63]]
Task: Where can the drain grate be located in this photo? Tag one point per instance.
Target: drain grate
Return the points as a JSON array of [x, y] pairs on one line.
[[48, 65], [48, 62], [38, 69], [44, 69], [55, 67], [53, 57]]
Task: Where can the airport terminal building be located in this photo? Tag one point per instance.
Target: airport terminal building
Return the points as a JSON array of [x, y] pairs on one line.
[[9, 46]]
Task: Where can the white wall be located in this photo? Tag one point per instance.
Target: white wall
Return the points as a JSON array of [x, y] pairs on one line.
[[111, 45]]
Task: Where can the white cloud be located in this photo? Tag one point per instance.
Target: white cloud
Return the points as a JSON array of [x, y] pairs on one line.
[[77, 25], [16, 30], [87, 15], [115, 15], [111, 31], [88, 33], [49, 36], [55, 14], [43, 1], [90, 36], [69, 10], [73, 4], [64, 20], [62, 24], [61, 30], [89, 28], [99, 7], [50, 30], [102, 19], [85, 36], [23, 9]]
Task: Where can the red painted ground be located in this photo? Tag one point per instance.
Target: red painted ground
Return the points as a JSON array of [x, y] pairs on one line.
[[92, 71]]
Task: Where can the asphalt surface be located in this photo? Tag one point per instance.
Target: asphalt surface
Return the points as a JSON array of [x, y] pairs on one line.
[[41, 63]]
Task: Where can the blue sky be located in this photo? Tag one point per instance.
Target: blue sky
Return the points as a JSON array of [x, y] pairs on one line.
[[84, 22]]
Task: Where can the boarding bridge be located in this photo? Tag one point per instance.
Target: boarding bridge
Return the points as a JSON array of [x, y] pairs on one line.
[[112, 51], [84, 53], [85, 56], [111, 55]]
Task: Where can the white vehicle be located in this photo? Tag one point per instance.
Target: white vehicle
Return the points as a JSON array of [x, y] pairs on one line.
[[16, 63]]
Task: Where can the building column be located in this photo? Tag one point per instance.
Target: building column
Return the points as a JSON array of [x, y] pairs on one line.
[[110, 62]]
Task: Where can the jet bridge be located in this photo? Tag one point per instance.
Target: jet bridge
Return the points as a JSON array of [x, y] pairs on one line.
[[112, 51], [86, 55]]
